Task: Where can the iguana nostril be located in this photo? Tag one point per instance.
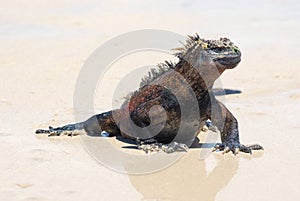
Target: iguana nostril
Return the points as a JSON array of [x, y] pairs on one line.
[[236, 50]]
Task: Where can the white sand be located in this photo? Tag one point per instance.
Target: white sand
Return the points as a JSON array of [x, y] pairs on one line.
[[43, 46]]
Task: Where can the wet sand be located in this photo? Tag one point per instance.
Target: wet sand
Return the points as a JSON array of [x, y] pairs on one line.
[[44, 46]]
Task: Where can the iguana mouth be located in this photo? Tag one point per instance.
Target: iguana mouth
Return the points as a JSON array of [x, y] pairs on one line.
[[230, 61]]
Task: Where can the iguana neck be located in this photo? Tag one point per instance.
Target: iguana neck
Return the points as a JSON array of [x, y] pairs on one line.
[[200, 78]]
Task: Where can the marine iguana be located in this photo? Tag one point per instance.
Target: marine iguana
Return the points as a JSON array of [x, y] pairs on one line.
[[200, 63]]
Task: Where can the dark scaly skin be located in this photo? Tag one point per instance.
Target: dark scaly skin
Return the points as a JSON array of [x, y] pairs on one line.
[[201, 62]]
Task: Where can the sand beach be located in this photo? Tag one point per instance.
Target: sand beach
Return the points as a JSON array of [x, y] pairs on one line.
[[44, 45]]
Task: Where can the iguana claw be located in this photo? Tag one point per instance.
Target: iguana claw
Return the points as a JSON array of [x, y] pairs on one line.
[[235, 148]]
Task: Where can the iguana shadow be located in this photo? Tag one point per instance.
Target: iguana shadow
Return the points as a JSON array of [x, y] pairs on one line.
[[187, 179]]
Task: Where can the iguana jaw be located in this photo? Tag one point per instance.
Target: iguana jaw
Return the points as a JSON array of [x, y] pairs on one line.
[[228, 61]]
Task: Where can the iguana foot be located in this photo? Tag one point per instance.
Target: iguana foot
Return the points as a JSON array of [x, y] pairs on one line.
[[236, 147], [158, 147], [209, 126], [175, 146]]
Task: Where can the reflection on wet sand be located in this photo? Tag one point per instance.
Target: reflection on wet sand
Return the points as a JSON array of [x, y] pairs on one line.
[[188, 178]]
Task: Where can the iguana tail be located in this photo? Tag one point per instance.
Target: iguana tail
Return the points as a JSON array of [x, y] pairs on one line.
[[93, 126], [70, 130]]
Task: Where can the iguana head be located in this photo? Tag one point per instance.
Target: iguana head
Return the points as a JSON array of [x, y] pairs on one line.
[[222, 53]]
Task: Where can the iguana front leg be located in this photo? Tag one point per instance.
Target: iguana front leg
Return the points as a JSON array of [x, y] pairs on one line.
[[228, 126]]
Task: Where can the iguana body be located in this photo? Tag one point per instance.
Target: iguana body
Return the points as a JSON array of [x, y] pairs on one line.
[[156, 105]]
